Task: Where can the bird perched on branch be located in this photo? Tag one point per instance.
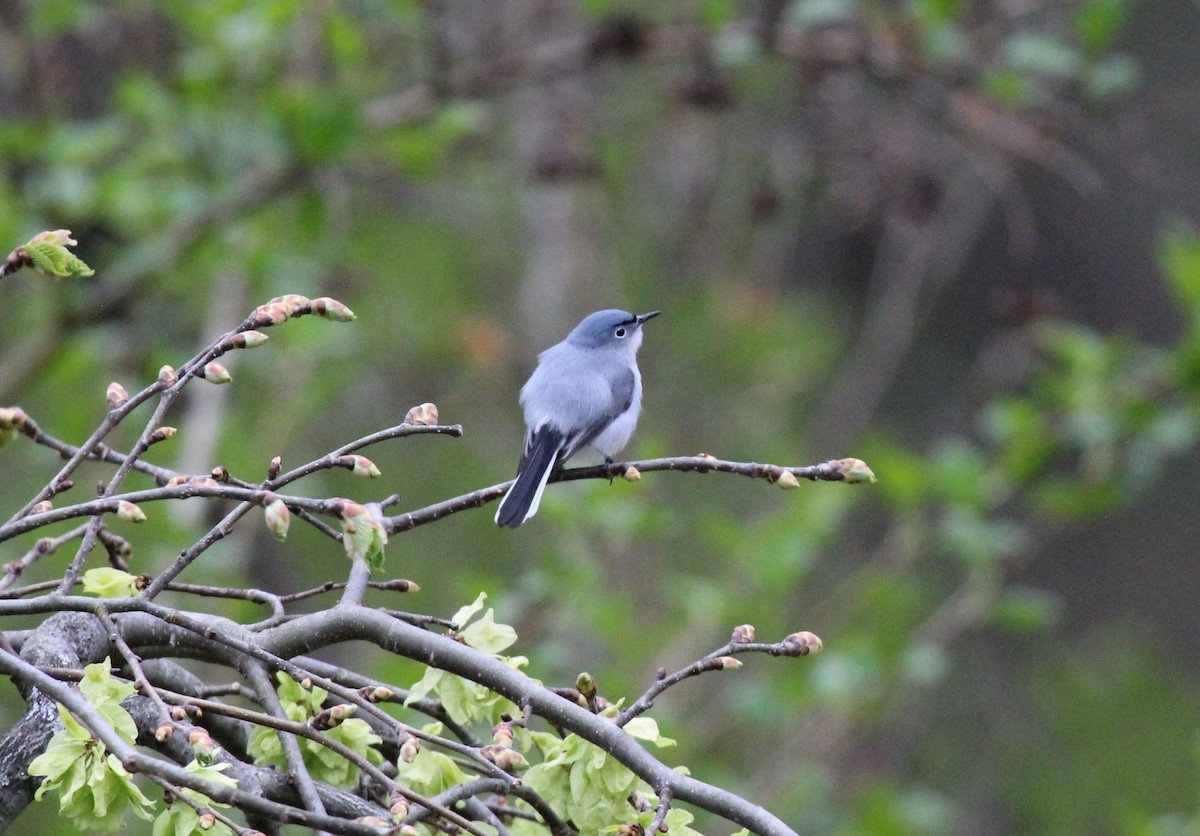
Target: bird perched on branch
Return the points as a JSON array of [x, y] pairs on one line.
[[586, 393]]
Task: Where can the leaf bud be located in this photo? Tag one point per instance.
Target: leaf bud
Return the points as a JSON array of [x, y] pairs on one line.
[[787, 480], [128, 511], [743, 634], [42, 507], [363, 534], [400, 585], [632, 474], [47, 253], [325, 720], [409, 749], [728, 663], [272, 313], [167, 377], [163, 732], [803, 643], [12, 418], [425, 415], [399, 810], [248, 339], [202, 745], [117, 396], [178, 713], [585, 684], [502, 734], [291, 300], [206, 820], [278, 517], [380, 693], [363, 467], [161, 434], [854, 471], [510, 760], [332, 310], [214, 372]]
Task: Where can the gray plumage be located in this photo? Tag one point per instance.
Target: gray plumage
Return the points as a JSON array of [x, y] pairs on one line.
[[586, 393]]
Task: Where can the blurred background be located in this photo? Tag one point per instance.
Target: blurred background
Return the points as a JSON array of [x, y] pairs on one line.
[[955, 239]]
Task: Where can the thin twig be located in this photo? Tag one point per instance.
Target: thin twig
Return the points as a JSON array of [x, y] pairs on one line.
[[797, 644], [43, 547], [830, 471]]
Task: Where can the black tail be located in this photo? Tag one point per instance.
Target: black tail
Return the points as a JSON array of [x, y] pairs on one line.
[[522, 500]]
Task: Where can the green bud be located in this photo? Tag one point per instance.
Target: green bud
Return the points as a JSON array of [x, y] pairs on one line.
[[786, 480], [249, 339], [47, 253], [278, 517], [332, 310], [409, 749], [128, 511], [214, 372], [364, 467], [363, 535], [855, 471]]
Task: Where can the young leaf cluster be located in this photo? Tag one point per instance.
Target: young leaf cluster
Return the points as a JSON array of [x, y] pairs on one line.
[[93, 789], [302, 704]]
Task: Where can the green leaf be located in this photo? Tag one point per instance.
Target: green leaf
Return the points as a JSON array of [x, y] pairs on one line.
[[646, 728], [1099, 22], [301, 705], [488, 636], [107, 582], [465, 614], [1179, 260], [431, 772], [716, 13]]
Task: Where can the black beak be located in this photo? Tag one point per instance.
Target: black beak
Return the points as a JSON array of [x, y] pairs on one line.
[[641, 318]]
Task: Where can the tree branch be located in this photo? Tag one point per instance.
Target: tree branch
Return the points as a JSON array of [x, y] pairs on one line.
[[356, 623]]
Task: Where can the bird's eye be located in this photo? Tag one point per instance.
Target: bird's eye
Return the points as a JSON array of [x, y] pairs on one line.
[[619, 333]]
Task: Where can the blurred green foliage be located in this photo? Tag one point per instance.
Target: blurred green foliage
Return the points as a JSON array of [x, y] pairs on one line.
[[231, 151]]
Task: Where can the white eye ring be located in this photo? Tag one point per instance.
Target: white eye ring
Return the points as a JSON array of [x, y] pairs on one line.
[[619, 333]]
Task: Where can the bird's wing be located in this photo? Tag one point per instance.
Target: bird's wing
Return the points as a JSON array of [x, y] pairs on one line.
[[577, 394], [621, 384]]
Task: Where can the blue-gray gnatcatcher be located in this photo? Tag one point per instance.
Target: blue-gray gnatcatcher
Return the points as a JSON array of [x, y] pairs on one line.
[[586, 392]]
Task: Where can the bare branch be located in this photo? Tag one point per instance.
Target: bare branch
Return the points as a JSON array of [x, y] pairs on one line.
[[835, 470]]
